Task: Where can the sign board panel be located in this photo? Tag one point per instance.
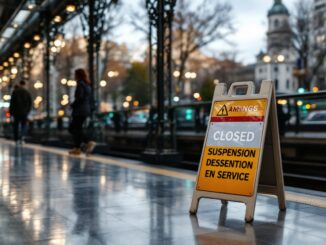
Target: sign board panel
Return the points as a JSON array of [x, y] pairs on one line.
[[236, 150], [232, 149]]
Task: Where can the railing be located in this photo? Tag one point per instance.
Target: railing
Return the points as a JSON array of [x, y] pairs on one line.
[[296, 113]]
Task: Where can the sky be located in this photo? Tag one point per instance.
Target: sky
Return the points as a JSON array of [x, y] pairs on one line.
[[250, 21]]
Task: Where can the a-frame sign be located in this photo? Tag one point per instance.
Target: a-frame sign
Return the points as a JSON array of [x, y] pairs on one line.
[[241, 154]]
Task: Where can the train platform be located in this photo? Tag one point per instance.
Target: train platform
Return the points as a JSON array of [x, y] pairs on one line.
[[49, 197]]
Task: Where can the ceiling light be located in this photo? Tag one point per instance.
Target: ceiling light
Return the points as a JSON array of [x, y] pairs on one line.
[[57, 43], [37, 37], [70, 7], [27, 45], [30, 6], [14, 70], [57, 19]]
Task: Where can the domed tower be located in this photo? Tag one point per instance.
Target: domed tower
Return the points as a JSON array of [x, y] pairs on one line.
[[279, 31], [279, 60]]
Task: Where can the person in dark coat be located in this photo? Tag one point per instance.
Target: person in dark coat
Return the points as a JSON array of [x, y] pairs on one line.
[[81, 110], [20, 106]]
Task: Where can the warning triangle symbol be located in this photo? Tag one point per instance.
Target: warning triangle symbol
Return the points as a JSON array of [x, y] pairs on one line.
[[223, 111]]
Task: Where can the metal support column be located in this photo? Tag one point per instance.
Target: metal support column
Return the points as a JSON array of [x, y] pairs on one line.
[[159, 152], [90, 48], [47, 75], [150, 63], [160, 74]]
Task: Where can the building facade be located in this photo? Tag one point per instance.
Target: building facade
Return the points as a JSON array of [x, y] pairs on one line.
[[318, 44], [279, 59]]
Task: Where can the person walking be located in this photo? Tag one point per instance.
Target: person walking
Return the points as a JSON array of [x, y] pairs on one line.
[[81, 110], [20, 106]]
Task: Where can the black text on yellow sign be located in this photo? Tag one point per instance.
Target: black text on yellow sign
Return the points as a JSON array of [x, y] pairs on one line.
[[230, 170]]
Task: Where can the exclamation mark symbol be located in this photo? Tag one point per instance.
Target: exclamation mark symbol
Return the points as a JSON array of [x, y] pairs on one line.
[[223, 111]]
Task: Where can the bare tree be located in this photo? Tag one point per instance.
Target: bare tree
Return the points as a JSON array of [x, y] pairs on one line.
[[73, 53], [195, 28], [139, 18], [113, 19], [310, 59]]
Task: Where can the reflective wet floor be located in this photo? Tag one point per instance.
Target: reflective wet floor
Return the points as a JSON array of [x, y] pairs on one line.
[[49, 198]]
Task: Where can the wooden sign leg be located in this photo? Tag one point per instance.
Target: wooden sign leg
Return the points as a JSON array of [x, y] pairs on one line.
[[277, 156], [250, 210], [194, 203]]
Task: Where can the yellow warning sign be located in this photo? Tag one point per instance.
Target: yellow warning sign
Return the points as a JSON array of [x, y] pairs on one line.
[[231, 152], [239, 108], [241, 131], [228, 170]]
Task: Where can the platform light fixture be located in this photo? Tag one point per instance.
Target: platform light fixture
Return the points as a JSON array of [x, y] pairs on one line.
[[176, 99], [113, 74], [37, 101], [27, 45], [16, 55], [6, 97], [54, 49], [11, 59], [280, 58], [57, 19], [282, 102], [135, 103], [61, 113], [267, 59], [315, 89], [71, 83], [176, 73], [64, 101], [14, 70], [125, 104], [38, 84], [190, 75], [57, 43], [70, 7], [1, 68], [5, 64], [301, 90], [36, 37], [63, 81], [103, 83], [31, 5], [5, 79], [128, 98], [196, 95]]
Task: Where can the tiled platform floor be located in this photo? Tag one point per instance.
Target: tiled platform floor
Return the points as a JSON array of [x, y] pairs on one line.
[[49, 198]]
